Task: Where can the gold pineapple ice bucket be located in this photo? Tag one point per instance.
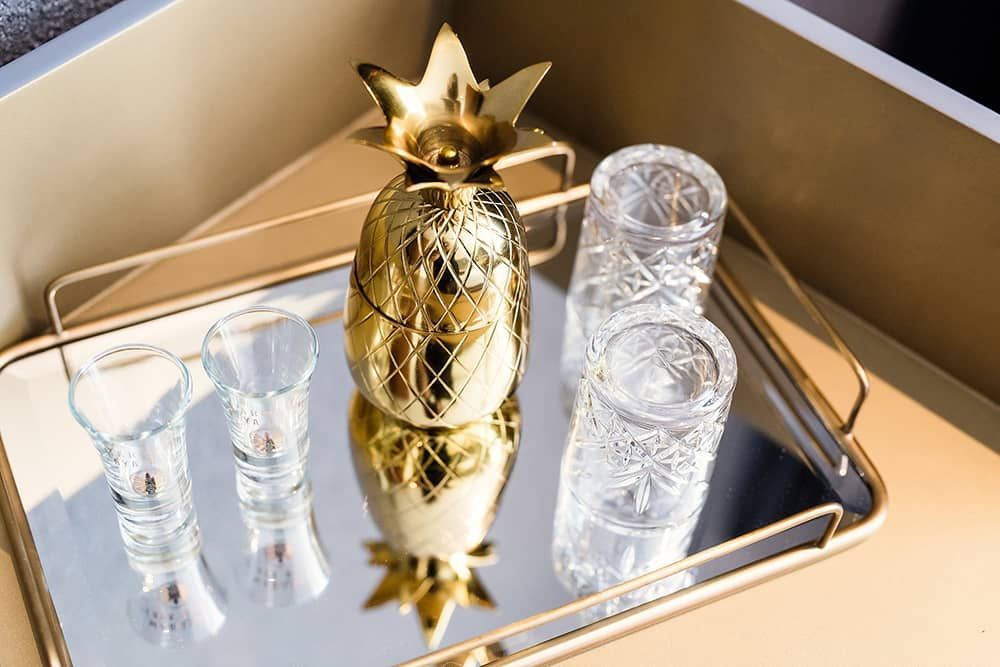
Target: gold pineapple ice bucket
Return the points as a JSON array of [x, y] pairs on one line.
[[437, 312]]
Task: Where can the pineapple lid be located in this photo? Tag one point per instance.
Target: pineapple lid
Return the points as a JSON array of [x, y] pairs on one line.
[[441, 268], [450, 130]]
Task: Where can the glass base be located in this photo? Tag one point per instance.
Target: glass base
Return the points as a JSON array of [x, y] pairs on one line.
[[178, 606]]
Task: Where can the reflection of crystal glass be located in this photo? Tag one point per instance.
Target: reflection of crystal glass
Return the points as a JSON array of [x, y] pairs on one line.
[[649, 415], [284, 563], [177, 605], [650, 235], [592, 553], [261, 361], [433, 495], [132, 401]]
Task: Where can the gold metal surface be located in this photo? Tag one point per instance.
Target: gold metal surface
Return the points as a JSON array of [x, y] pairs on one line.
[[436, 314], [864, 384], [436, 321], [557, 149], [835, 539], [448, 130], [431, 587], [433, 495], [433, 492], [544, 652]]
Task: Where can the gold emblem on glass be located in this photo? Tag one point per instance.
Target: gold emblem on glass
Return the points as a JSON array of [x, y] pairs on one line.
[[433, 493], [436, 319]]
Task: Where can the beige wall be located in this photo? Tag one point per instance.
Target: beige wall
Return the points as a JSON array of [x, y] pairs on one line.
[[879, 201], [150, 133]]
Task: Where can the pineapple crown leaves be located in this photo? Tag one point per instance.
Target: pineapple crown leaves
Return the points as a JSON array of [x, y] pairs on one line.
[[450, 130], [431, 586]]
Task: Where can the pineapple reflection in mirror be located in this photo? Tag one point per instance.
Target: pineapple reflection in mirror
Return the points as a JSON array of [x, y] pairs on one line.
[[433, 495]]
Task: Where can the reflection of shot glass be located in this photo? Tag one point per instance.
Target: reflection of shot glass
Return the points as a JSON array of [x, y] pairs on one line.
[[177, 605], [132, 401], [261, 361], [649, 415], [650, 234], [283, 562]]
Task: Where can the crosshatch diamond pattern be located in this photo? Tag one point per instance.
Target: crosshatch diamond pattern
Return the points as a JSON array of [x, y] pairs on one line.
[[435, 268], [436, 320], [433, 492]]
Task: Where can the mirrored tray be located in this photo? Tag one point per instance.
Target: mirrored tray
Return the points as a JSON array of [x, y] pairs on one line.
[[791, 486]]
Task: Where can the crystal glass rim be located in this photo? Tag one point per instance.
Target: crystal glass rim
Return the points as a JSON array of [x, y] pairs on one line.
[[693, 229], [91, 363], [708, 400], [209, 366]]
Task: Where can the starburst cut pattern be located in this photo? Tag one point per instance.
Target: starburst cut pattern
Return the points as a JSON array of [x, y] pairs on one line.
[[643, 460], [450, 126]]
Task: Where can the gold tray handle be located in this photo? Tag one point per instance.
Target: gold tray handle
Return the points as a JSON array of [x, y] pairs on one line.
[[557, 149], [860, 373]]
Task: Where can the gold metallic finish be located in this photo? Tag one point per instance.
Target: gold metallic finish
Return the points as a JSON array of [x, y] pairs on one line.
[[448, 129], [864, 384], [437, 313], [433, 495], [45, 622], [433, 492], [432, 587], [526, 207]]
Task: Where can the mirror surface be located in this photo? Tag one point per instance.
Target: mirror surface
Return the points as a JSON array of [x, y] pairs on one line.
[[767, 468]]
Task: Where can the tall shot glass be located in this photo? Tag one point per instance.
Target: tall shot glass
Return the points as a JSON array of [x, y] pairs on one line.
[[649, 415], [132, 401], [650, 234], [261, 361]]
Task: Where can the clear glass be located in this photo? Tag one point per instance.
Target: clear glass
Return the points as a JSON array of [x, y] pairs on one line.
[[261, 361], [592, 553], [132, 402], [284, 563], [178, 605], [650, 234], [649, 415], [768, 468]]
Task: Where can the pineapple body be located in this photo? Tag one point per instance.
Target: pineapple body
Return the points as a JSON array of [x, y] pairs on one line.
[[436, 314], [433, 493]]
